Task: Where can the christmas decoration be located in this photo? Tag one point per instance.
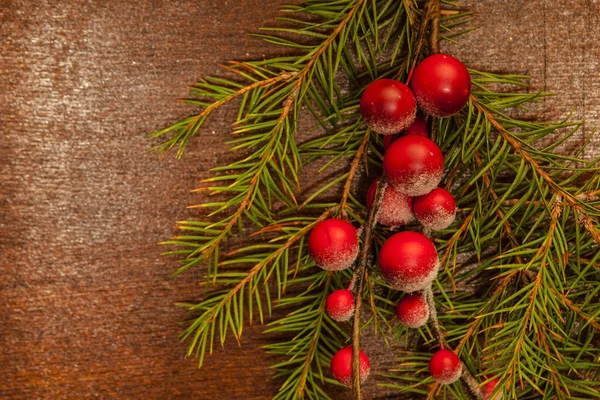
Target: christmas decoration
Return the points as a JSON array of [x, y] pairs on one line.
[[445, 367], [420, 127], [388, 106], [488, 390], [408, 261], [510, 286], [412, 310], [333, 244], [340, 305], [396, 208], [414, 165], [442, 85], [341, 366], [436, 210]]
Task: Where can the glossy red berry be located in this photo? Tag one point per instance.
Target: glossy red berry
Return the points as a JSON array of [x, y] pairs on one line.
[[488, 389], [396, 207], [341, 366], [436, 210], [388, 106], [414, 165], [408, 261], [340, 305], [420, 127], [412, 310], [441, 84], [333, 244], [445, 367]]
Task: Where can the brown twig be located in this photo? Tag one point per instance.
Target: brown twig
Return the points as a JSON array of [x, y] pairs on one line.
[[358, 277], [466, 376], [353, 168]]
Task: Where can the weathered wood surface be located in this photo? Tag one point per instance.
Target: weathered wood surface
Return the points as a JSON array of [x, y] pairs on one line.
[[86, 303]]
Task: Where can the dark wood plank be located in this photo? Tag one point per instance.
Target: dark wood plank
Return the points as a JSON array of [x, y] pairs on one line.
[[86, 305]]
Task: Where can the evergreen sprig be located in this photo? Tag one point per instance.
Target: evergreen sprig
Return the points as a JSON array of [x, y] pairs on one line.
[[518, 294]]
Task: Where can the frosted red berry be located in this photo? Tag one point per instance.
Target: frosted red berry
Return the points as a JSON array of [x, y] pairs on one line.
[[396, 207], [436, 210], [412, 310], [445, 367], [441, 84], [388, 106], [488, 389], [408, 261], [420, 127], [414, 165], [341, 366], [340, 305], [333, 244]]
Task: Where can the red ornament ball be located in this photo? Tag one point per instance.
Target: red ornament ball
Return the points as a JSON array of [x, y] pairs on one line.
[[340, 305], [341, 366], [488, 389], [441, 84], [445, 367], [420, 127], [333, 244], [436, 210], [413, 311], [408, 261], [388, 106], [414, 165], [396, 207]]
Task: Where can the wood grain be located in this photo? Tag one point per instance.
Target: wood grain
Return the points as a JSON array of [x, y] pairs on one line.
[[86, 302]]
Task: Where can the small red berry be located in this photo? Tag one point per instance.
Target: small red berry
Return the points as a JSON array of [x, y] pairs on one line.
[[414, 165], [441, 84], [420, 127], [396, 207], [340, 305], [436, 210], [387, 141], [341, 366], [408, 261], [445, 367], [333, 244], [413, 311], [388, 106], [488, 389]]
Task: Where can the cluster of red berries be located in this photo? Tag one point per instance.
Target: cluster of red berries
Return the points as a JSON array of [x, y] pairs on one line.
[[413, 165]]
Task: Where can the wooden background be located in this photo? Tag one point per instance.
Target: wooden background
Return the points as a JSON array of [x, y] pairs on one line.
[[86, 303]]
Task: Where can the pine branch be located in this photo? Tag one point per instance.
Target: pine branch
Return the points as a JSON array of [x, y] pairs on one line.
[[521, 295]]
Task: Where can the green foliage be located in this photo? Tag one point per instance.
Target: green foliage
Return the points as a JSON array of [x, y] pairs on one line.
[[518, 293]]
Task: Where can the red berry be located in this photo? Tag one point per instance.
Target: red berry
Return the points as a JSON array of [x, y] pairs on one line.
[[388, 106], [414, 165], [413, 311], [488, 389], [387, 141], [396, 207], [341, 366], [408, 261], [445, 367], [340, 305], [420, 127], [333, 244], [441, 84], [436, 210]]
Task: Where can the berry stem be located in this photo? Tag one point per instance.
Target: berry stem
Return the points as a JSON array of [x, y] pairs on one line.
[[466, 376], [358, 277], [434, 48], [426, 16]]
